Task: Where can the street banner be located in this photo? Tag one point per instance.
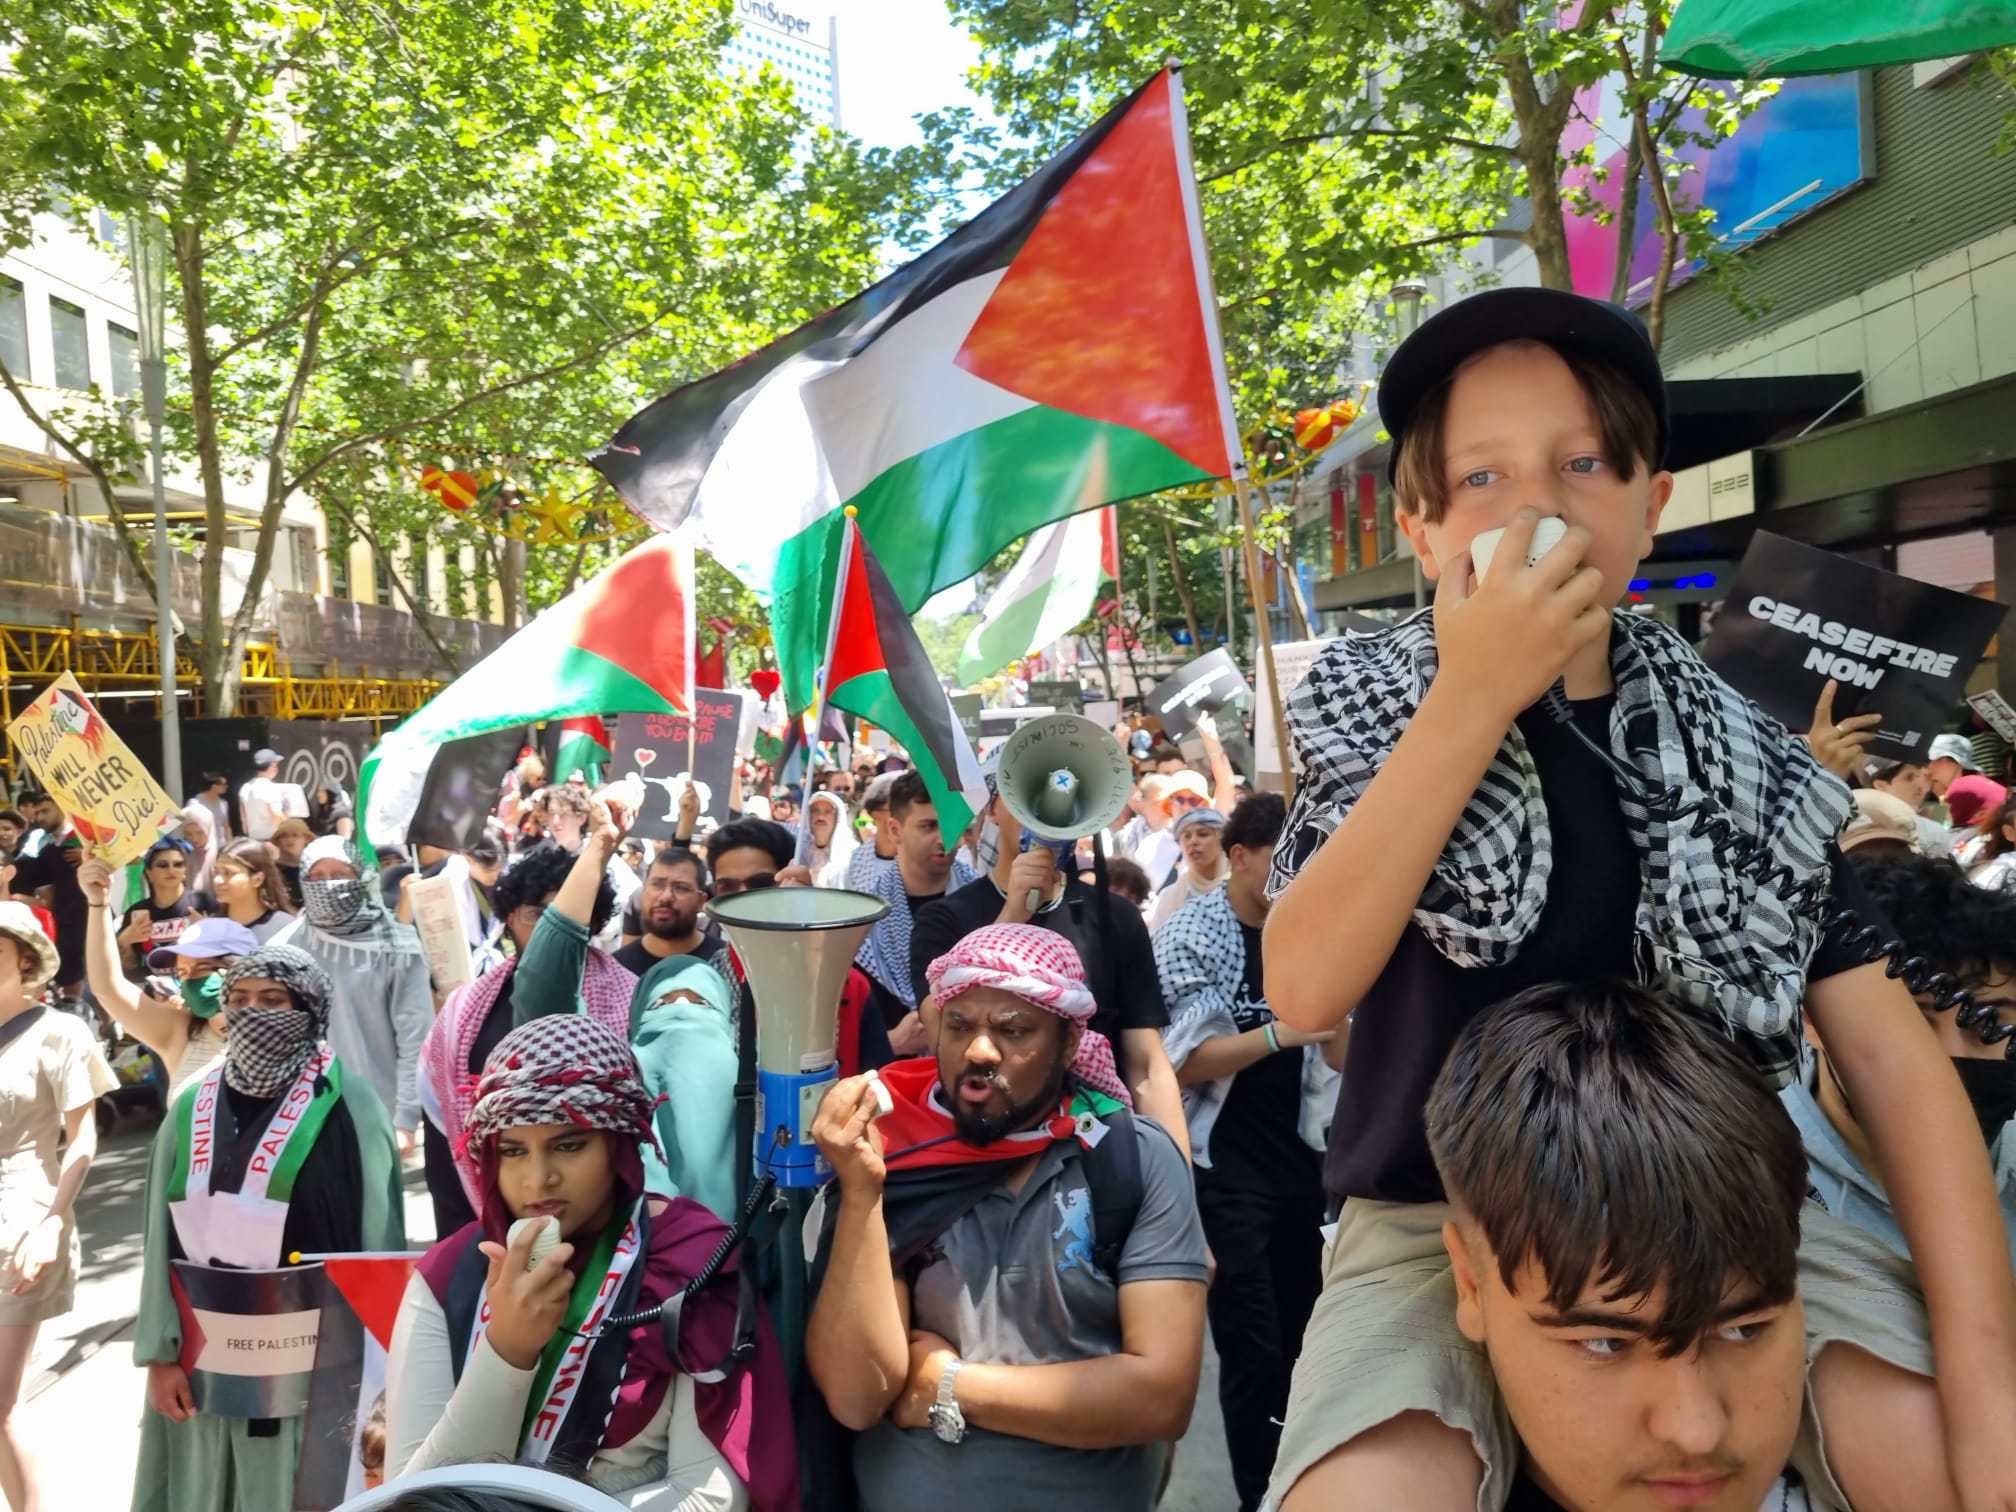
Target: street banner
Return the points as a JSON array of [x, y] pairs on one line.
[[1292, 660], [444, 934], [654, 750], [248, 1337], [112, 800], [459, 792], [1797, 616], [1204, 686], [360, 1305]]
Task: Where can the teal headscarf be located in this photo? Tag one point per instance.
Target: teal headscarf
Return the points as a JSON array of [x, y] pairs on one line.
[[687, 1052]]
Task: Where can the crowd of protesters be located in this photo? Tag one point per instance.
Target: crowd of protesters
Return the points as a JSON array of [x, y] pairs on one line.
[[1516, 1141]]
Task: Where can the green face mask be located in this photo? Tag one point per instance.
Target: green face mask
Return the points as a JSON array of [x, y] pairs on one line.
[[204, 996]]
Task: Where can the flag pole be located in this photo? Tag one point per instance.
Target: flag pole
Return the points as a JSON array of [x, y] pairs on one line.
[[1235, 451], [848, 529]]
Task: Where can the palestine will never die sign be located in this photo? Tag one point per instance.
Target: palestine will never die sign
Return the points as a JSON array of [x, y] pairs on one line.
[[1797, 616], [114, 804]]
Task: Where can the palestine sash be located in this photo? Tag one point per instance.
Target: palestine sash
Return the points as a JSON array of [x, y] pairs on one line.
[[572, 1370], [246, 1229]]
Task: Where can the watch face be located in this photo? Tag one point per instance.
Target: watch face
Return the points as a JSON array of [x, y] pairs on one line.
[[948, 1422]]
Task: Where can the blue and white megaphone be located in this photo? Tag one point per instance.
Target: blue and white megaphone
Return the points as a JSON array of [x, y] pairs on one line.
[[796, 945]]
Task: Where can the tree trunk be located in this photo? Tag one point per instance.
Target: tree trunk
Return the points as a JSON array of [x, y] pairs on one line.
[[1626, 224], [1182, 583], [512, 580]]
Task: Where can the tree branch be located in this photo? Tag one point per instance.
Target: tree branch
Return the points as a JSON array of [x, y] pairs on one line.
[[113, 508], [595, 352], [328, 500], [1310, 139]]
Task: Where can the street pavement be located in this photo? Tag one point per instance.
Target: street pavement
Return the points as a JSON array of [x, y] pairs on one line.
[[82, 1400]]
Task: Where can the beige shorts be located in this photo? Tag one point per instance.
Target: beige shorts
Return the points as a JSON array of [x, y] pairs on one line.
[[1383, 1339]]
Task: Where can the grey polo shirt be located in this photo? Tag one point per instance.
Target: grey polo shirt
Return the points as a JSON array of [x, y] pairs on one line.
[[1016, 1286]]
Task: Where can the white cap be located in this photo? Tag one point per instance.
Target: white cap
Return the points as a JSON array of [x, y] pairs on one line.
[[1956, 748]]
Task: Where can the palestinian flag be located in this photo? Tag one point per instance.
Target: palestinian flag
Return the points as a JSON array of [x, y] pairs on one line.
[[581, 744], [1051, 587], [622, 643], [360, 1306], [1057, 353], [876, 669]]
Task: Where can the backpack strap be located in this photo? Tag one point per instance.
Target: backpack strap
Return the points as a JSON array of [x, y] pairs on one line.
[[1113, 1172]]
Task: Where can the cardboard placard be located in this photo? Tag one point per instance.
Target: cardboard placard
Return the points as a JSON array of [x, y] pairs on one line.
[[966, 708], [444, 937], [1210, 683], [113, 801], [1292, 660], [1062, 694], [248, 1337], [1797, 616], [652, 749]]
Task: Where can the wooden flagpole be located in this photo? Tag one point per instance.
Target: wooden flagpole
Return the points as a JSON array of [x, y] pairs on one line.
[[1200, 258]]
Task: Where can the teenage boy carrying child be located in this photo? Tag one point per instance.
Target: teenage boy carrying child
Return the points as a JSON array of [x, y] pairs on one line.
[[1453, 843]]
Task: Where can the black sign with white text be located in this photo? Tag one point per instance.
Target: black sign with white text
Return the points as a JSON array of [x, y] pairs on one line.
[[653, 748], [1210, 683], [1797, 616]]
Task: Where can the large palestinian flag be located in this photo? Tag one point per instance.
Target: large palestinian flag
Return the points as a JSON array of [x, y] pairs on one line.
[[876, 669], [1057, 353], [622, 643]]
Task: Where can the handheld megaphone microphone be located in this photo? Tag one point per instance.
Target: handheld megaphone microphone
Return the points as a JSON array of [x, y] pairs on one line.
[[796, 945], [1063, 777]]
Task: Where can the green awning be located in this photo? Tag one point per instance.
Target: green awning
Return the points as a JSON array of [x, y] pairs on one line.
[[1768, 39]]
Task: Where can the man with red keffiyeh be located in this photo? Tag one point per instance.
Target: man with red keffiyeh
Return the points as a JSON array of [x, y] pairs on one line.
[[980, 1316]]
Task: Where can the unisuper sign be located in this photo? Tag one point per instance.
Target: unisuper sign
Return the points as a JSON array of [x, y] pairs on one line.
[[767, 14]]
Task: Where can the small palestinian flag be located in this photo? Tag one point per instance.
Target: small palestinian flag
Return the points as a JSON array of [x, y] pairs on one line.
[[622, 643], [1057, 353], [876, 669], [581, 745]]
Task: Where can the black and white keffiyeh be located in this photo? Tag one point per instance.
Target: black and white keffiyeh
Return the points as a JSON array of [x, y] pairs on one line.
[[1713, 935], [265, 1048]]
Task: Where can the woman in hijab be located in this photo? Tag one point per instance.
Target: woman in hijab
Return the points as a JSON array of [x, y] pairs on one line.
[[500, 1355], [383, 996], [831, 837], [333, 1185], [478, 1014], [199, 833]]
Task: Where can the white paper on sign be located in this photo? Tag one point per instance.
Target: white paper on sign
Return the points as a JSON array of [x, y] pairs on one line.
[[258, 1344], [444, 938]]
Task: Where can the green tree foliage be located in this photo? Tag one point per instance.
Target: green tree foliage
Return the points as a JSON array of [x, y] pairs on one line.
[[414, 234]]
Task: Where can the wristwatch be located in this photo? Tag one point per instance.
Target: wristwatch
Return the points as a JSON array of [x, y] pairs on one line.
[[947, 1421]]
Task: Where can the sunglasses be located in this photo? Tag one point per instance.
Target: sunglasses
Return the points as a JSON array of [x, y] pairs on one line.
[[1185, 801]]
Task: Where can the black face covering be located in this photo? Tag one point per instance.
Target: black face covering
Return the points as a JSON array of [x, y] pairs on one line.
[[1991, 1090]]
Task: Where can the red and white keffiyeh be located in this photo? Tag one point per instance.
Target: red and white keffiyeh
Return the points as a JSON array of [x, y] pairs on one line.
[[1042, 968]]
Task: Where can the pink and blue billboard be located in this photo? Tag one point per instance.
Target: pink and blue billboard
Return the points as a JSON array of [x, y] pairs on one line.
[[1801, 148]]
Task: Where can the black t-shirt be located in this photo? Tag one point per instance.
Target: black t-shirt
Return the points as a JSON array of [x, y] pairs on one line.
[[67, 904], [168, 920], [1256, 1141], [1403, 1030], [1112, 941], [637, 959]]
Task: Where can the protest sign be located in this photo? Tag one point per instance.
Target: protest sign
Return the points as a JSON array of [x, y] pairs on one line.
[[248, 1337], [1797, 616], [444, 936], [1995, 712], [1204, 686], [653, 749], [114, 803], [1062, 694], [1292, 660], [966, 708]]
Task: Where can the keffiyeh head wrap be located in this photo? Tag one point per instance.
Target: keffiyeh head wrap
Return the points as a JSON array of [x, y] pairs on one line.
[[1042, 968], [562, 1068], [265, 1048], [345, 908]]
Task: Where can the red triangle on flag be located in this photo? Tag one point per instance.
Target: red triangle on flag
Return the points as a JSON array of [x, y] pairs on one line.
[[373, 1286], [857, 641], [1101, 313]]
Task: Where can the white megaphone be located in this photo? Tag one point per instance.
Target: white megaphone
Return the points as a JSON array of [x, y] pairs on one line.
[[1063, 777], [796, 945]]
